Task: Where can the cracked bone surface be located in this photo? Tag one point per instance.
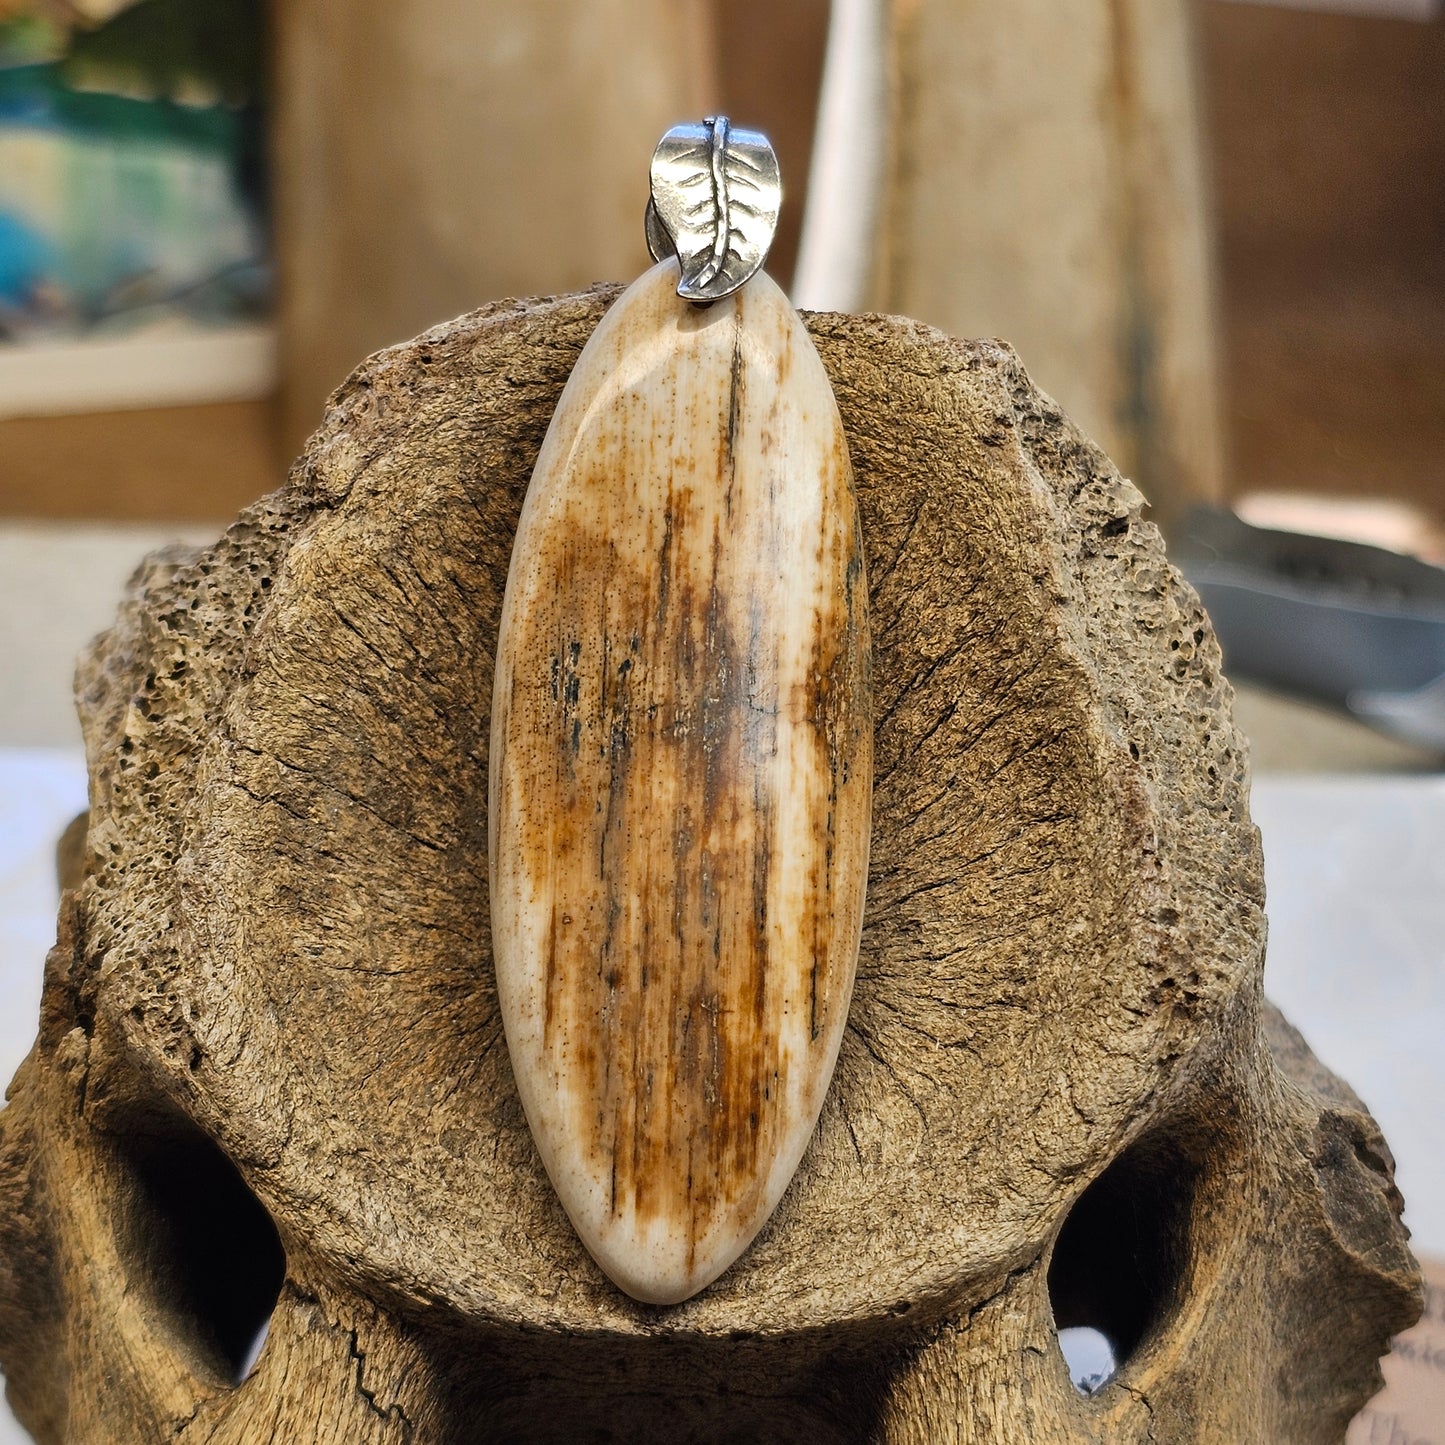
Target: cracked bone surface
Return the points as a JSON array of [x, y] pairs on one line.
[[270, 1072]]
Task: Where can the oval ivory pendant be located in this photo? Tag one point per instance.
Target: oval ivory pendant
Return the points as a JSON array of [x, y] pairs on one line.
[[681, 778]]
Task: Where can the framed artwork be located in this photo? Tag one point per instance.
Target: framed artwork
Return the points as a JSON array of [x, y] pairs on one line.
[[134, 253]]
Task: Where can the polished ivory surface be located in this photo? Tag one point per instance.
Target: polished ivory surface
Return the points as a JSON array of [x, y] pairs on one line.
[[681, 775]]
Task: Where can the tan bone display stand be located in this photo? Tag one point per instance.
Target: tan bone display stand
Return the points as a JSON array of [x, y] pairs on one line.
[[1060, 1098]]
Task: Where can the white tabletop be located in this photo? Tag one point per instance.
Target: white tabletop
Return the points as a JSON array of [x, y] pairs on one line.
[[1356, 876], [1355, 871]]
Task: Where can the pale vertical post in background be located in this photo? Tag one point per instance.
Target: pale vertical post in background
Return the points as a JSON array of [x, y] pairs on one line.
[[847, 177], [1046, 185], [434, 156]]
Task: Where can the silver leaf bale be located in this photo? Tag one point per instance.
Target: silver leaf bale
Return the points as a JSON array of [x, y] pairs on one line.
[[716, 192]]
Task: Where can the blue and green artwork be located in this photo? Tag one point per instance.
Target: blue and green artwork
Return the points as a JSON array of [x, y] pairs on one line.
[[132, 192]]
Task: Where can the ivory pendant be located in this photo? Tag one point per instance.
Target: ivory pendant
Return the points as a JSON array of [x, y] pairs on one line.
[[681, 778]]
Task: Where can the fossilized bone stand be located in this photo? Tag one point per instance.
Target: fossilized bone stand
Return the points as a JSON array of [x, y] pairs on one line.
[[1061, 1098]]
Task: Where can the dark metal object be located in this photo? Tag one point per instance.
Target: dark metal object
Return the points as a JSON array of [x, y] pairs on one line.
[[1354, 626]]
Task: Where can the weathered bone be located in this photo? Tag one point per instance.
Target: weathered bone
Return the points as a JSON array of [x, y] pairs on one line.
[[1059, 1099]]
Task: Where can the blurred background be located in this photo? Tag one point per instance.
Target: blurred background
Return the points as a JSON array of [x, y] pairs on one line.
[[1214, 230]]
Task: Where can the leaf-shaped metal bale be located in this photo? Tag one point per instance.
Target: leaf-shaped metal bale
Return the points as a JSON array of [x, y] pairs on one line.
[[715, 198]]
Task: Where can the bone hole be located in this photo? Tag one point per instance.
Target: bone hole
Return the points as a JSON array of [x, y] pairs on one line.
[[1120, 1260], [207, 1249]]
